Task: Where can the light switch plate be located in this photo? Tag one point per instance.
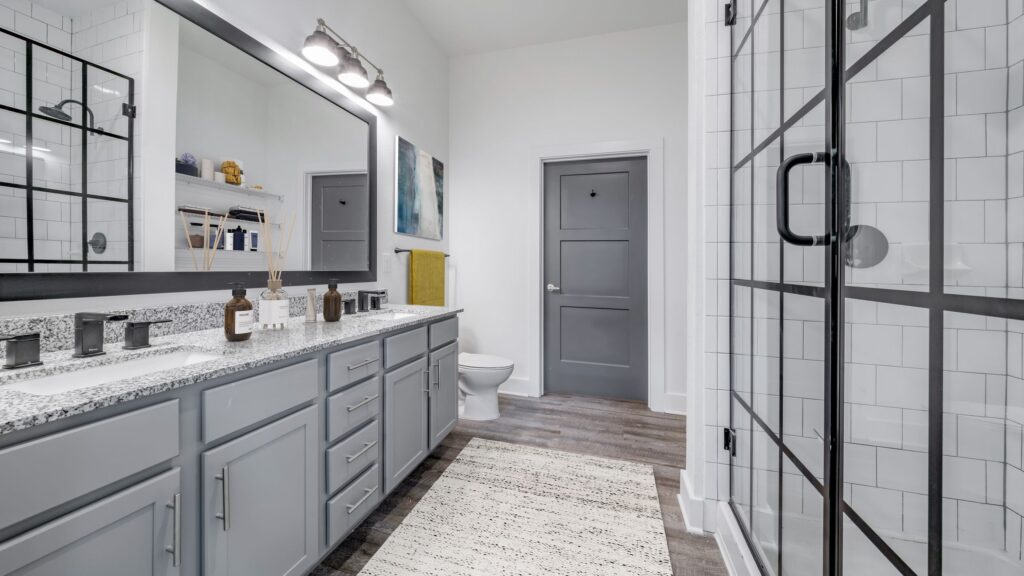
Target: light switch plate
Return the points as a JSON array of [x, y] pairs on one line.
[[386, 262]]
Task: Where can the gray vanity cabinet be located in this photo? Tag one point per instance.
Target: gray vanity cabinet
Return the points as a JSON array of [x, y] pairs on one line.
[[260, 500], [444, 392], [135, 532], [405, 421]]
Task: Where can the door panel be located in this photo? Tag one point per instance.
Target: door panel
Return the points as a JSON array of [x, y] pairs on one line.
[[405, 419], [444, 396], [259, 500], [595, 237], [339, 219]]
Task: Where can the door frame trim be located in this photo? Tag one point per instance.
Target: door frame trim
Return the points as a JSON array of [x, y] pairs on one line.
[[658, 398], [307, 204]]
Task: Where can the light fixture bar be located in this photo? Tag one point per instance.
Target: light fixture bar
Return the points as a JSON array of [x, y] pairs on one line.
[[355, 51], [326, 48]]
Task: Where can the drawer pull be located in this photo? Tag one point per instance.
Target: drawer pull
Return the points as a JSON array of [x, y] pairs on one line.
[[175, 548], [366, 362], [366, 447], [369, 491], [365, 401], [225, 492]]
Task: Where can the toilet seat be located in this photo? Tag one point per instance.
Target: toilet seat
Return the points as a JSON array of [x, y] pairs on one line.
[[469, 361]]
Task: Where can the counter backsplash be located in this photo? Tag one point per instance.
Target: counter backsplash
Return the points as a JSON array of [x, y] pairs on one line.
[[58, 331]]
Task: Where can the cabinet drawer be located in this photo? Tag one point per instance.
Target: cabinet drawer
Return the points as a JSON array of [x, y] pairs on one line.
[[443, 332], [234, 406], [352, 407], [49, 471], [352, 455], [346, 510], [398, 349], [352, 365]]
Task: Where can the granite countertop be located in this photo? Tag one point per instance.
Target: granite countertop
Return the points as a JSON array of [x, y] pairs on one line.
[[21, 410]]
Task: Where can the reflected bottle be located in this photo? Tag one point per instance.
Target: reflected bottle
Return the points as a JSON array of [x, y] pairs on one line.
[[332, 302]]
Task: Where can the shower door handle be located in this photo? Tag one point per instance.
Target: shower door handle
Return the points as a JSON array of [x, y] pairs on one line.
[[782, 199]]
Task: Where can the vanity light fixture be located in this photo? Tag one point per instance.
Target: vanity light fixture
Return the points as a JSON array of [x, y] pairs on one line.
[[326, 48]]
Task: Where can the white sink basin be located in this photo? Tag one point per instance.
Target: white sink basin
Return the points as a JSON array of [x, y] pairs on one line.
[[87, 377], [389, 316]]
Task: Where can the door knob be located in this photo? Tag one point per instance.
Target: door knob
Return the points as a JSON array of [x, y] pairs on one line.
[[553, 288]]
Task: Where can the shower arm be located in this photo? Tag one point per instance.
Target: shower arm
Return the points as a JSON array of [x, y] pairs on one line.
[[88, 111], [858, 20]]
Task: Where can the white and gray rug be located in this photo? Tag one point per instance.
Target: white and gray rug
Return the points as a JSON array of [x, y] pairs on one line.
[[507, 509]]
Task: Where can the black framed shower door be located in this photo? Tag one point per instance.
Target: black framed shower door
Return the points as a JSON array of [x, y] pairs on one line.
[[867, 310]]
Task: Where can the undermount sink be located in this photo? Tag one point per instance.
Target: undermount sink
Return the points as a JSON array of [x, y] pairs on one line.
[[88, 377], [390, 316]]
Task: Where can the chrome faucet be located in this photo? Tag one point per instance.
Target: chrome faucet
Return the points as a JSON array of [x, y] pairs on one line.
[[89, 332]]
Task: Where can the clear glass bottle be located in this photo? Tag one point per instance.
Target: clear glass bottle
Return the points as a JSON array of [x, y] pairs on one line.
[[274, 306]]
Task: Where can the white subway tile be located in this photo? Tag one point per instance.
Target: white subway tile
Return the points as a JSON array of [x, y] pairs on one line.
[[981, 92], [979, 437], [980, 525], [907, 139], [977, 13], [903, 470], [902, 387], [965, 50]]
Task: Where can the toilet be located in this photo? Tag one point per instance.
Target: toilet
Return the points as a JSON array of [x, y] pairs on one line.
[[479, 378]]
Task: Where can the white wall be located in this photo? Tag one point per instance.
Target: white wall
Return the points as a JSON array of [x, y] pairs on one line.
[[417, 71], [507, 105]]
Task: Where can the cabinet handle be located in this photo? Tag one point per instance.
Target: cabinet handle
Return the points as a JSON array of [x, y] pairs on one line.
[[175, 548], [366, 362], [366, 447], [225, 493], [369, 492], [365, 401], [437, 375], [426, 373]]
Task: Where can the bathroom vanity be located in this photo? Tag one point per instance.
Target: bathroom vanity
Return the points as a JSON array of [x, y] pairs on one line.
[[252, 458]]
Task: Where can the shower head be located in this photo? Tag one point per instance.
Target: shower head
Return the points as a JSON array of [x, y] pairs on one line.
[[54, 112], [58, 112]]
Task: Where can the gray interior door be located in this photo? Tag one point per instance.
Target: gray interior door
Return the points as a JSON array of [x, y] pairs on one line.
[[339, 222], [595, 272]]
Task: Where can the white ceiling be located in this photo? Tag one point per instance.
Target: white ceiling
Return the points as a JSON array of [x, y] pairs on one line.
[[472, 26]]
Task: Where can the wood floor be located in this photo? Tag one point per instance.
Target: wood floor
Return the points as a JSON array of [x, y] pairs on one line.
[[613, 429]]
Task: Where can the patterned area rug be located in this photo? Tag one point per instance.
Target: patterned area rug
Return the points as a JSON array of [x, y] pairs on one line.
[[507, 509]]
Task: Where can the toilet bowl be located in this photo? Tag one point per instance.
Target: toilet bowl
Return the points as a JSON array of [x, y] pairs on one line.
[[479, 378]]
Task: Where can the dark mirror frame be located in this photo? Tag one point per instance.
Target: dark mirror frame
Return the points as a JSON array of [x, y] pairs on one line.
[[43, 286]]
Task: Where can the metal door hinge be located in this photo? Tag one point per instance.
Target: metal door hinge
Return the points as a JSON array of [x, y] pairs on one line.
[[127, 110], [730, 14], [729, 436]]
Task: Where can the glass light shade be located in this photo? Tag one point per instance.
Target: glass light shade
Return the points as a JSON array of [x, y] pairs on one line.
[[320, 49], [379, 93], [353, 73]]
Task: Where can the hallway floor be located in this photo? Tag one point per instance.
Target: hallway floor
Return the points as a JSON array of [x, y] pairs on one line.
[[613, 429]]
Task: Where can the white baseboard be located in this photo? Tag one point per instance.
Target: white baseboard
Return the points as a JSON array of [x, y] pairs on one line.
[[675, 404], [738, 558], [692, 507], [518, 386]]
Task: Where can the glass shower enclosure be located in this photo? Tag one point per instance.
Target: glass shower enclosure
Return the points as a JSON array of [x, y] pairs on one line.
[[877, 285]]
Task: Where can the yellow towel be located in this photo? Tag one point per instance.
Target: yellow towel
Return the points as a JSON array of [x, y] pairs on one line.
[[426, 278]]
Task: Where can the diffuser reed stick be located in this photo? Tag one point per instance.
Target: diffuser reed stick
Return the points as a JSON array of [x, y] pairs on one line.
[[188, 241]]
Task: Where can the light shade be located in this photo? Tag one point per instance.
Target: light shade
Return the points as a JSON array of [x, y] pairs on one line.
[[320, 49], [352, 73], [379, 93]]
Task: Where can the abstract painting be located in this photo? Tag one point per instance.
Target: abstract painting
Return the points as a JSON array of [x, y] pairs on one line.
[[419, 192]]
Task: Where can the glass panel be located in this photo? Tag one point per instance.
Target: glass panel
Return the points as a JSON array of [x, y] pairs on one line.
[[886, 413], [108, 166], [983, 413], [107, 94], [766, 245], [765, 358], [107, 232], [802, 524], [55, 81], [741, 342], [56, 156], [744, 17], [804, 52], [765, 502], [742, 78], [741, 461], [58, 226], [12, 147], [767, 71], [13, 228], [888, 148], [803, 381], [12, 71], [806, 264], [861, 557], [741, 223]]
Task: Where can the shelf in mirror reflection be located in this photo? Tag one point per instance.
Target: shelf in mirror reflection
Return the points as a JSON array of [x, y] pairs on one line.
[[196, 181]]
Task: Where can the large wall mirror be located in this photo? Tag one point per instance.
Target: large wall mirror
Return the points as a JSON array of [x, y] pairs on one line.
[[243, 155]]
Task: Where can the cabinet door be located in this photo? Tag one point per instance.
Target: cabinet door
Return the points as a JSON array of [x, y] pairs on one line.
[[444, 392], [135, 532], [259, 500], [405, 421]]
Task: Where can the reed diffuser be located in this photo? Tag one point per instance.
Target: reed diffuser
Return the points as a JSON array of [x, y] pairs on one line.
[[274, 303], [209, 245]]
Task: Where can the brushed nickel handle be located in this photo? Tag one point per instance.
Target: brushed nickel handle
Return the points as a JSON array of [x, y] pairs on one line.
[[437, 375], [225, 493], [366, 447], [369, 492], [427, 374], [365, 401], [553, 288], [359, 365], [175, 548]]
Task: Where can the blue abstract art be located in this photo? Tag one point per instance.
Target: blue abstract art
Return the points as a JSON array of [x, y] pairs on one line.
[[419, 192]]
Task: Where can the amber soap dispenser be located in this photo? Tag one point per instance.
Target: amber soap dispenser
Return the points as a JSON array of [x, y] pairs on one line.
[[332, 302], [238, 316]]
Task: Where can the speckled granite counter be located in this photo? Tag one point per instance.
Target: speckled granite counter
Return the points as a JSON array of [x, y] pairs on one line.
[[20, 410]]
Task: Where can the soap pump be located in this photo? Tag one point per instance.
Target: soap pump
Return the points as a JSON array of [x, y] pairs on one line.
[[238, 315]]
